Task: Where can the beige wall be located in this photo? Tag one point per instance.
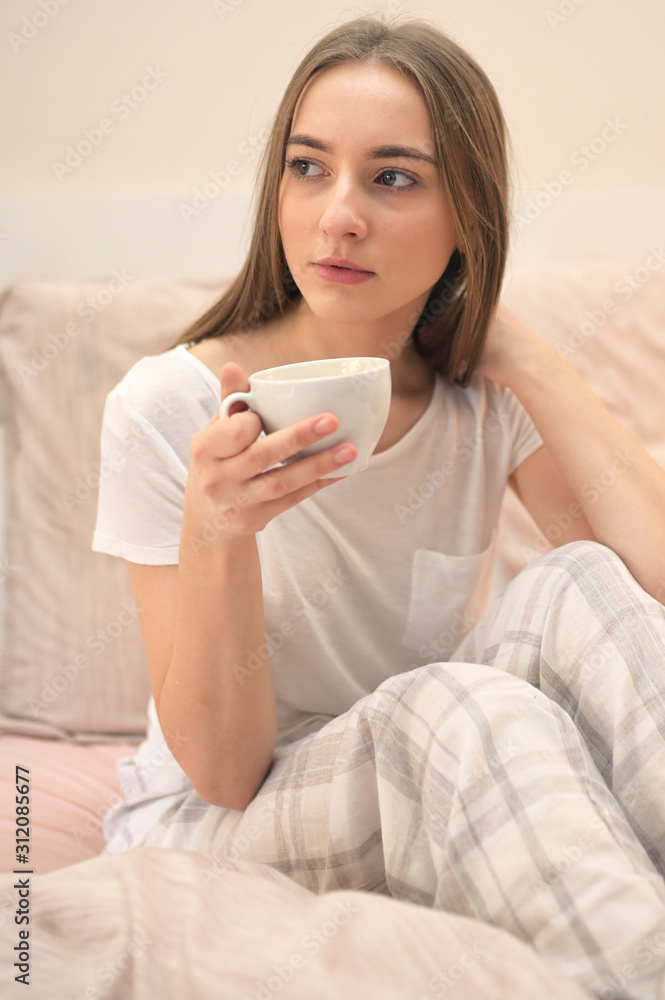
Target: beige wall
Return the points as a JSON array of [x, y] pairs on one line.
[[210, 73]]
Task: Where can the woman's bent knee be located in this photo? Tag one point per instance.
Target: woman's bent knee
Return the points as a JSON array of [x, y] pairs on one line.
[[580, 555], [585, 564], [436, 689]]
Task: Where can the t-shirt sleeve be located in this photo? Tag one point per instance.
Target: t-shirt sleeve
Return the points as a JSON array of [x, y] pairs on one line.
[[524, 438], [141, 490]]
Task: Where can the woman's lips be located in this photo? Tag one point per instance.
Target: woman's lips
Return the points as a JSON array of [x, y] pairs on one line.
[[342, 275]]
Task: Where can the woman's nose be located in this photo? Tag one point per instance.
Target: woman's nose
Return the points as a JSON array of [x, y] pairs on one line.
[[343, 213]]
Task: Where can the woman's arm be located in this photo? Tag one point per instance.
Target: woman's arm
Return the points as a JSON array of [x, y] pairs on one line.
[[591, 479], [202, 620], [199, 619]]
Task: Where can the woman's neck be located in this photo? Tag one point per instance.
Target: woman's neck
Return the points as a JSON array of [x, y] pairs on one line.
[[300, 336]]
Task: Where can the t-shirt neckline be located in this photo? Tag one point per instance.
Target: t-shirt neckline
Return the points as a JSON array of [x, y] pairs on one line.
[[378, 459]]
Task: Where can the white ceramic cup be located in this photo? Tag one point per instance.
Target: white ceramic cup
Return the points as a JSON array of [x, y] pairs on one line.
[[356, 390]]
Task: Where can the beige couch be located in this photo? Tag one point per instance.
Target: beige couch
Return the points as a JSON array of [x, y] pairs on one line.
[[74, 681]]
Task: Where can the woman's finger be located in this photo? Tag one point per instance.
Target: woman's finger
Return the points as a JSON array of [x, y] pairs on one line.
[[284, 444], [233, 379]]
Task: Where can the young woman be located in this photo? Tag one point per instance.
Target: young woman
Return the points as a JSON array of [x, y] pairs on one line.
[[322, 699]]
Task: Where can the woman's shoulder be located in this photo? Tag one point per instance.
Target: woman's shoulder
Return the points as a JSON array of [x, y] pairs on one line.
[[482, 405], [262, 347], [175, 381], [213, 352], [483, 394]]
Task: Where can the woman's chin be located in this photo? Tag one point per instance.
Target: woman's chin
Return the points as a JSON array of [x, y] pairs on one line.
[[345, 313]]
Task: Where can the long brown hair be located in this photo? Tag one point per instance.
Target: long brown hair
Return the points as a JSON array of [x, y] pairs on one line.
[[470, 142]]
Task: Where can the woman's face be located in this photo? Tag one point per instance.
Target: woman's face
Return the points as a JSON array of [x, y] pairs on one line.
[[360, 184]]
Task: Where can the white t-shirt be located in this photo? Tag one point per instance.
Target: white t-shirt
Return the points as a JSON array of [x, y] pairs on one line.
[[377, 574]]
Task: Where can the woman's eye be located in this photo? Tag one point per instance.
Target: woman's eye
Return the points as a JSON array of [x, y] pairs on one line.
[[396, 179], [301, 168]]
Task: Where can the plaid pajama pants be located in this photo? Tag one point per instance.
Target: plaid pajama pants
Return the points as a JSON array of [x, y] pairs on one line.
[[521, 784]]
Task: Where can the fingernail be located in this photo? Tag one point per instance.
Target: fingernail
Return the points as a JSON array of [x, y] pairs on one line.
[[343, 454], [324, 425]]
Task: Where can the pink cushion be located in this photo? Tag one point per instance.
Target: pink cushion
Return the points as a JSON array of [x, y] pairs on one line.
[[606, 314], [73, 664], [71, 788]]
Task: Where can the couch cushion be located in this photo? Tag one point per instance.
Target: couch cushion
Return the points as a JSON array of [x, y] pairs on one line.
[[74, 665], [606, 314], [71, 789]]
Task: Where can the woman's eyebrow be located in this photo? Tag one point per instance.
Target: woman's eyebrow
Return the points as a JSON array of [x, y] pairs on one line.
[[377, 153]]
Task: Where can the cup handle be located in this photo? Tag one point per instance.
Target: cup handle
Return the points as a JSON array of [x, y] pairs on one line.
[[236, 397]]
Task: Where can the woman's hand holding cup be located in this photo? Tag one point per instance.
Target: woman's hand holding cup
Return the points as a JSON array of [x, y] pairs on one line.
[[236, 485]]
